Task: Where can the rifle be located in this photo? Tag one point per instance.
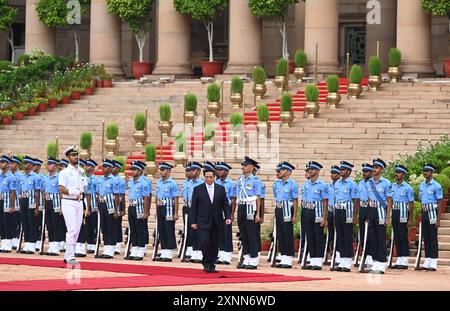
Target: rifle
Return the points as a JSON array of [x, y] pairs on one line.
[[240, 252], [362, 265], [128, 245], [41, 252], [391, 251], [97, 242], [19, 246], [300, 245], [305, 252], [419, 249], [325, 254], [274, 245], [180, 241], [184, 238], [155, 242], [358, 246], [333, 253], [269, 253]]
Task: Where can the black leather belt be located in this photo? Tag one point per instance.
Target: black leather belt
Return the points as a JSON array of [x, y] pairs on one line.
[[70, 199]]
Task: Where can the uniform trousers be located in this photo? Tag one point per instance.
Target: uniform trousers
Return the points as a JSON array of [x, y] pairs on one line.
[[107, 225], [7, 222], [119, 225], [29, 221], [363, 216], [248, 233], [430, 238], [285, 233], [400, 235], [314, 234], [91, 228], [376, 237], [73, 217], [190, 232], [302, 228], [330, 226], [17, 222], [166, 229], [137, 228], [344, 231], [49, 220], [226, 238]]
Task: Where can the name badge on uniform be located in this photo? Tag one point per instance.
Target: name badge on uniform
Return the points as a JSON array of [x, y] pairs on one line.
[[249, 186]]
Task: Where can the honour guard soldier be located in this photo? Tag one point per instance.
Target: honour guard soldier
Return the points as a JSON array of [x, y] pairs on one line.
[[108, 206], [150, 185], [430, 196], [316, 199], [195, 180], [92, 205], [364, 186], [167, 211], [7, 203], [285, 191], [29, 199], [139, 196], [346, 207], [302, 214], [14, 168], [80, 248], [186, 211], [335, 176], [122, 188], [226, 236], [53, 214], [379, 216], [262, 206], [402, 210], [248, 190], [36, 168], [72, 183]]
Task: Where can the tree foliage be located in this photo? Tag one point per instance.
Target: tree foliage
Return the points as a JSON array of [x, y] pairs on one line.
[[436, 7], [270, 9], [136, 13], [201, 10], [54, 13], [7, 16]]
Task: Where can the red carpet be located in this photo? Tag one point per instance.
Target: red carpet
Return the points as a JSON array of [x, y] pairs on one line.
[[152, 276]]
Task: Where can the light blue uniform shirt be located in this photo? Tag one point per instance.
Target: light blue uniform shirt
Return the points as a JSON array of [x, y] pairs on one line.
[[29, 182], [383, 187], [331, 193], [315, 191], [92, 186], [138, 189], [262, 187], [430, 193], [345, 190], [7, 182], [51, 183], [166, 189], [107, 185], [185, 190], [402, 193], [191, 185], [285, 191], [230, 187], [121, 185], [248, 187], [364, 187]]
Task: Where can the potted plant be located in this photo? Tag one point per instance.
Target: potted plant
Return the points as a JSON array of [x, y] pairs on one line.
[[19, 113], [150, 160], [140, 129], [375, 73], [259, 82], [179, 155], [165, 125], [205, 13], [106, 80], [53, 100], [237, 95], [76, 93], [395, 58], [85, 145], [6, 117], [112, 134], [88, 87], [312, 98], [52, 150], [213, 93], [263, 124], [31, 109], [333, 97], [236, 121], [300, 64], [42, 104], [209, 134], [286, 114], [354, 89], [190, 108], [281, 78]]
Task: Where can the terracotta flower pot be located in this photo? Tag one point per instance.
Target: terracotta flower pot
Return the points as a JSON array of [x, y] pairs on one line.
[[265, 245], [19, 116], [291, 67], [66, 100], [210, 69], [6, 120], [106, 83], [76, 95], [446, 62], [89, 91], [412, 234], [42, 107], [31, 111], [141, 69], [296, 245], [95, 81], [53, 103]]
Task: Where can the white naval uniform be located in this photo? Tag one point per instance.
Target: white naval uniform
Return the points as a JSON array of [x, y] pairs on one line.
[[73, 180]]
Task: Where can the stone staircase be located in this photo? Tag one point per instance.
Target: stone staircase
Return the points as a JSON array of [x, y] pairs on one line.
[[381, 124]]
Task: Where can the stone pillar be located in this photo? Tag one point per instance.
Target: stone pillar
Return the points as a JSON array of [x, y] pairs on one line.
[[173, 39], [299, 25], [245, 37], [322, 26], [384, 32], [105, 40], [37, 35], [413, 38]]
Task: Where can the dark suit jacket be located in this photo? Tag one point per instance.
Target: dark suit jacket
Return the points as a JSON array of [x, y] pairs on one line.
[[203, 213]]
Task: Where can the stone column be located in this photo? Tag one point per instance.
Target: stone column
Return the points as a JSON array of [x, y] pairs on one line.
[[173, 39], [413, 38], [105, 40], [37, 35], [384, 32], [322, 26], [245, 37], [299, 26]]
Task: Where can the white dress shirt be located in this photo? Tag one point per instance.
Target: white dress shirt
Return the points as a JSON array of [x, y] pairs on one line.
[[210, 189]]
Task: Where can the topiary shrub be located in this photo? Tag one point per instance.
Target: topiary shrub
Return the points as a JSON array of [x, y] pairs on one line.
[[395, 57], [122, 161], [259, 75], [236, 119], [140, 121], [333, 84], [282, 67], [86, 140], [312, 93], [356, 74], [165, 112], [112, 131], [52, 150], [150, 153], [213, 92], [190, 102], [375, 66], [237, 85], [180, 142], [286, 102], [263, 113], [209, 132], [300, 59]]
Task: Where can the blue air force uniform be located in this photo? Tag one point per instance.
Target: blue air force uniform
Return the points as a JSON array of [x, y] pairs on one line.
[[166, 196], [121, 190], [346, 192], [315, 198], [402, 197], [186, 211], [7, 187], [330, 216], [91, 193], [430, 196], [363, 212], [226, 236], [285, 192]]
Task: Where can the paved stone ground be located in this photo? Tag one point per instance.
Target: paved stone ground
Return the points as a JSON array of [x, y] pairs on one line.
[[393, 280]]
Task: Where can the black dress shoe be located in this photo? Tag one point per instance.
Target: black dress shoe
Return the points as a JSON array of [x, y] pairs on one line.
[[278, 265], [345, 270], [338, 269], [166, 260], [138, 258], [158, 259], [5, 251], [129, 258], [376, 272], [90, 252], [306, 268], [24, 252], [422, 269], [219, 262], [116, 253], [286, 266], [403, 267], [431, 269], [80, 255], [106, 257], [250, 267], [316, 268], [240, 266], [395, 267], [226, 263], [197, 261]]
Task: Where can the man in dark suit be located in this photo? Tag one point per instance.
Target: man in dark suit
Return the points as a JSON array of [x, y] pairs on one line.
[[209, 204]]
